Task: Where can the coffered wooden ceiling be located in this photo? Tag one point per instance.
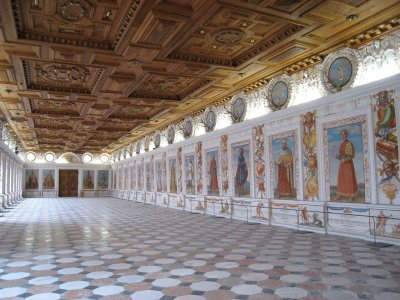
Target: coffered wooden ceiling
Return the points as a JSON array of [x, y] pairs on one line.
[[86, 75]]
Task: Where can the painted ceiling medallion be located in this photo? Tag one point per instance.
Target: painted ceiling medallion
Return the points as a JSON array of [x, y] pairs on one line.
[[279, 92], [73, 10], [339, 70], [62, 74], [228, 36]]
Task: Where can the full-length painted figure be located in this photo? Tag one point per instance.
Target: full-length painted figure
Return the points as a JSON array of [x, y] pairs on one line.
[[213, 177], [241, 173], [285, 172], [172, 183], [347, 181]]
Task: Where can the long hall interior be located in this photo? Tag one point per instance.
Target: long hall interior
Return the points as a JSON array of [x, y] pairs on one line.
[[199, 149]]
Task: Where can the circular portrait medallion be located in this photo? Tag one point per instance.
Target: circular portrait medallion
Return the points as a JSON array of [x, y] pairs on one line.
[[238, 109], [157, 140], [187, 128], [279, 92], [210, 119], [170, 135], [339, 70]]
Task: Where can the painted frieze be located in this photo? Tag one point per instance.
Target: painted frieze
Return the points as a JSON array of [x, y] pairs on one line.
[[199, 161], [259, 161], [224, 164]]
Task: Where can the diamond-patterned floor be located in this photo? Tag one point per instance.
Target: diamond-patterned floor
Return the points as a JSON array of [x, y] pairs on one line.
[[105, 248]]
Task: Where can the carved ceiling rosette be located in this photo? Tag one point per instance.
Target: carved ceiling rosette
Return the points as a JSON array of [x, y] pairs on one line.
[[73, 10]]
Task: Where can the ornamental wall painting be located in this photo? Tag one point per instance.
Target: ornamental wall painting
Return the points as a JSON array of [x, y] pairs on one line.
[[386, 146], [213, 177], [199, 162], [190, 175], [259, 161], [179, 170], [31, 179], [149, 176], [164, 172], [102, 179], [346, 160], [241, 167], [172, 175], [139, 177], [284, 169], [48, 179], [385, 223], [224, 165], [310, 165], [159, 175], [133, 177], [88, 179]]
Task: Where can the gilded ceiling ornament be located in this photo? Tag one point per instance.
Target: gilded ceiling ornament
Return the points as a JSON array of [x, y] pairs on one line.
[[73, 10], [228, 36], [62, 74]]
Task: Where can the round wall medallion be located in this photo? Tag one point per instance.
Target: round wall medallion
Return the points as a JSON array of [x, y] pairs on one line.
[[157, 140], [238, 110], [339, 70], [170, 135], [210, 119], [279, 92], [138, 145], [87, 158], [228, 36], [73, 10], [49, 156], [30, 156], [146, 143], [104, 158], [187, 128]]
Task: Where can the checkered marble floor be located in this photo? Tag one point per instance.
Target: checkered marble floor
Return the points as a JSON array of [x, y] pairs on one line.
[[105, 248]]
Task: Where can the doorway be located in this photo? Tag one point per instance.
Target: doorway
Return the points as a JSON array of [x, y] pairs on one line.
[[68, 183]]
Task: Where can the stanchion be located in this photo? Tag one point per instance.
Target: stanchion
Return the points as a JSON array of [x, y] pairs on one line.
[[375, 243], [191, 208], [298, 231]]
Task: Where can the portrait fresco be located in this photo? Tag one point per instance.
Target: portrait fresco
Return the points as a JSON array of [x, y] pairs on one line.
[[48, 179], [172, 175], [212, 172], [31, 179], [346, 160], [102, 179], [386, 146], [283, 164], [159, 175], [88, 179], [241, 168], [190, 175]]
